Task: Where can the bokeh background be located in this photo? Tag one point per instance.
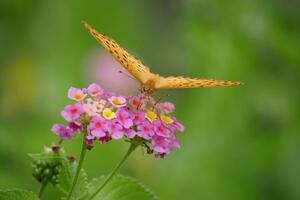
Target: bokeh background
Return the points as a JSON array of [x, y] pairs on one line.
[[240, 143]]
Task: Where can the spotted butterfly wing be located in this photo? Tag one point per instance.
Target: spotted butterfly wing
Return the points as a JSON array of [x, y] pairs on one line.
[[143, 74], [132, 64], [182, 82]]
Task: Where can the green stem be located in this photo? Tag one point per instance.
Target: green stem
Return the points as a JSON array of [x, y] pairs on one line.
[[132, 147], [81, 159], [42, 189], [60, 142]]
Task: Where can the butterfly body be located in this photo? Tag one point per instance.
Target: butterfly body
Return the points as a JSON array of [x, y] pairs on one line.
[[149, 86], [150, 81]]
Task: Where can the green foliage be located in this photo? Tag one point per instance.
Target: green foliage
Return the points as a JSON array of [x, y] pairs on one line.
[[66, 176], [47, 164], [121, 187], [17, 194]]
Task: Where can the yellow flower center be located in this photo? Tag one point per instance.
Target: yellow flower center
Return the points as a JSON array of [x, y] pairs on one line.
[[166, 119], [108, 114], [151, 116]]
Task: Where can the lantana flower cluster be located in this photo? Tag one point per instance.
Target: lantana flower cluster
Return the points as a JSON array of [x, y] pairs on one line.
[[103, 116]]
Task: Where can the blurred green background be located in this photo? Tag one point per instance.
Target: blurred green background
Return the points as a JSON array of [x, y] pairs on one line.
[[240, 143]]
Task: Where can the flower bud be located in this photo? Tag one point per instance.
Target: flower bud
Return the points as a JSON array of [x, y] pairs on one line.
[[47, 173]]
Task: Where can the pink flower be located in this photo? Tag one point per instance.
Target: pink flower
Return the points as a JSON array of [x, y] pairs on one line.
[[145, 130], [63, 132], [135, 101], [146, 103], [124, 117], [104, 139], [174, 143], [149, 99], [89, 140], [94, 90], [160, 145], [117, 101], [129, 132], [165, 107], [160, 129], [76, 94], [107, 95], [72, 112], [75, 127], [138, 117], [115, 129], [177, 125], [97, 127], [90, 109]]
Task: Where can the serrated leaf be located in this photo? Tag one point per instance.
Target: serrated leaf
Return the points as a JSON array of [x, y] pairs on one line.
[[17, 194], [65, 178], [121, 188]]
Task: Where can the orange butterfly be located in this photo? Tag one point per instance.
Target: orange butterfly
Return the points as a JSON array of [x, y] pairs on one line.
[[149, 81]]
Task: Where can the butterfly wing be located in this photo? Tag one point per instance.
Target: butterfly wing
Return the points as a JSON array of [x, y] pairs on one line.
[[132, 64], [182, 82]]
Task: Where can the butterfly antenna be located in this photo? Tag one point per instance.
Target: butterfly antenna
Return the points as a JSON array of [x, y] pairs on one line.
[[121, 72]]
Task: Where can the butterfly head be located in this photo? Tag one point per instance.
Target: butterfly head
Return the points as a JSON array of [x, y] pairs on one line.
[[148, 87]]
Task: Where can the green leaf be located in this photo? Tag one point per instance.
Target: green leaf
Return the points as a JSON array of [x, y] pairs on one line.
[[121, 187], [17, 194], [48, 154], [66, 176]]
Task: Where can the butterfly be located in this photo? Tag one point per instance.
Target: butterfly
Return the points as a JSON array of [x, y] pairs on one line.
[[150, 81]]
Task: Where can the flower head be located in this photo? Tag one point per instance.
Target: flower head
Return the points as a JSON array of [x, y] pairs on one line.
[[117, 101], [76, 94], [94, 90], [105, 116], [72, 112]]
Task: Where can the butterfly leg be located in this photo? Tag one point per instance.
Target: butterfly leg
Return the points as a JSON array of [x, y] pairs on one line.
[[160, 97]]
